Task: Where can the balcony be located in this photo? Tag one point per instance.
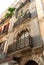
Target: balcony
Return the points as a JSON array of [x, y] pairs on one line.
[[4, 21], [23, 4], [20, 44], [23, 18]]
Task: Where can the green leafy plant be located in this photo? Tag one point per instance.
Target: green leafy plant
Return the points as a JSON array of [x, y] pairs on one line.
[[11, 9], [7, 15], [10, 12]]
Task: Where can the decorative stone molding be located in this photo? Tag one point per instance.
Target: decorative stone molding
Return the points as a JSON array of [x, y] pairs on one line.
[[38, 60]]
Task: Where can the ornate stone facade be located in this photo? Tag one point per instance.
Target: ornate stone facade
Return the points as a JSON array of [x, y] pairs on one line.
[[25, 47]]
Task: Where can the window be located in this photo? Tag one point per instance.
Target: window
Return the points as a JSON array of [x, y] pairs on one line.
[[26, 39], [23, 40], [26, 34]]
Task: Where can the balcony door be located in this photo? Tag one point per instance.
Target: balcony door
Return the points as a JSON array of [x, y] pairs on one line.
[[23, 39]]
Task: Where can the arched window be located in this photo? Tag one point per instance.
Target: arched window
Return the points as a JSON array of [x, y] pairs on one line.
[[26, 34], [26, 38], [23, 39]]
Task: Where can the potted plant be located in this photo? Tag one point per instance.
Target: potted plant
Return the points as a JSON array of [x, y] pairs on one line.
[[10, 9], [10, 12]]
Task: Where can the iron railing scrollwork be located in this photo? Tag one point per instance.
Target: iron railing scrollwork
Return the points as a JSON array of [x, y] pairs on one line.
[[20, 44]]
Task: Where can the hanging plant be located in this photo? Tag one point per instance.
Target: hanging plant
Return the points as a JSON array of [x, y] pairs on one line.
[[11, 9], [7, 15], [10, 12]]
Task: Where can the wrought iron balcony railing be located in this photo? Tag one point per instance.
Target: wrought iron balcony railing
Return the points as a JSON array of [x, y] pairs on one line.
[[20, 44], [23, 18], [28, 41], [4, 20], [23, 4]]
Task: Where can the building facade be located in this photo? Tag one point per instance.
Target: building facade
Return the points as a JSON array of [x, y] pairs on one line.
[[24, 42]]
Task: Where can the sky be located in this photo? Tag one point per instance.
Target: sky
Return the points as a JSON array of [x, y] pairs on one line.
[[4, 4]]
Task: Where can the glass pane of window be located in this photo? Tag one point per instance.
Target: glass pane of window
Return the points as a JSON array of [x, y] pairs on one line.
[[26, 41], [18, 44], [22, 36], [22, 43], [26, 34]]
